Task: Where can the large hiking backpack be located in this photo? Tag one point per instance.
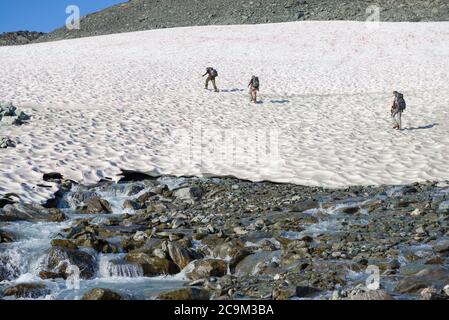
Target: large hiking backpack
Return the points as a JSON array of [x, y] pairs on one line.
[[256, 83], [214, 73], [400, 102]]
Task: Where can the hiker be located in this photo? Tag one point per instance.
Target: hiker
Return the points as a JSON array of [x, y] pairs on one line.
[[211, 75], [253, 88], [397, 108]]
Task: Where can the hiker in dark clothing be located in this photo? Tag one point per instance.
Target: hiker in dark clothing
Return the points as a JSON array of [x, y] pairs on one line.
[[211, 75], [253, 88], [398, 106]]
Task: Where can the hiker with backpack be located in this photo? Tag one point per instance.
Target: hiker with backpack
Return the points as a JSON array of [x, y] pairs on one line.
[[397, 108], [211, 75], [253, 88]]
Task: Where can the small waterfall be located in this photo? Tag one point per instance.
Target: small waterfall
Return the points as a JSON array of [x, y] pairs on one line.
[[118, 268]]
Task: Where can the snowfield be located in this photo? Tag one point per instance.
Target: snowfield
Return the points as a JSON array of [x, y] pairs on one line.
[[136, 101]]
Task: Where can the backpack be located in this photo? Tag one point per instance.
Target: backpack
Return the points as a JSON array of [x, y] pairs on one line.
[[214, 73], [256, 82], [400, 102]]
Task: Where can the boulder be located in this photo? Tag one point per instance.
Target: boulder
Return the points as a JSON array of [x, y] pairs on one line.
[[188, 194], [442, 246], [101, 294], [303, 206], [7, 142], [95, 205], [60, 260], [63, 243], [131, 204], [254, 263], [206, 268], [51, 275], [234, 250], [30, 212], [185, 294], [6, 237], [306, 291], [293, 250], [432, 276], [350, 210], [179, 255], [152, 266], [27, 291], [98, 244]]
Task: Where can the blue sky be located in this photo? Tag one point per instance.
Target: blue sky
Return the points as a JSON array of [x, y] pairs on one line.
[[43, 15]]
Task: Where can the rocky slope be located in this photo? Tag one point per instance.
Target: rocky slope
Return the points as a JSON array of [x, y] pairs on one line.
[[18, 38], [232, 239], [136, 15]]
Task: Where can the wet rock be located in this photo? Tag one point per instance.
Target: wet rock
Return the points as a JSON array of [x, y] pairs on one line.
[[206, 268], [27, 291], [51, 275], [30, 212], [147, 246], [350, 210], [234, 250], [62, 261], [132, 189], [131, 204], [434, 260], [185, 294], [442, 246], [152, 266], [179, 255], [143, 198], [95, 205], [101, 294], [63, 243], [6, 237], [260, 262], [98, 244], [431, 276]]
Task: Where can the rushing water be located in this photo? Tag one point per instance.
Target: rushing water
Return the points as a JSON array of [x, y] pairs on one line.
[[22, 260], [32, 240]]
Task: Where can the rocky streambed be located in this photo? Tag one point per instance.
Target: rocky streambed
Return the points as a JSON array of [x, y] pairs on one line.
[[223, 238]]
